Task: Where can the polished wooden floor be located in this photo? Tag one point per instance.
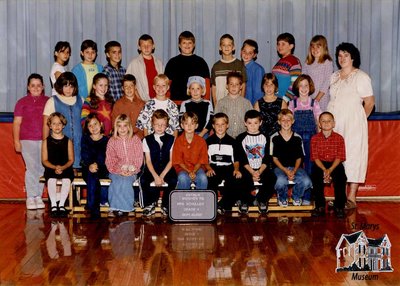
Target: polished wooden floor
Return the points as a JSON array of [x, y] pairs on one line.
[[277, 249]]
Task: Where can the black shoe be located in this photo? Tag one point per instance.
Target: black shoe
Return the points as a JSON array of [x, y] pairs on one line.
[[54, 212], [95, 215], [318, 212], [339, 213], [220, 210], [62, 212], [262, 208]]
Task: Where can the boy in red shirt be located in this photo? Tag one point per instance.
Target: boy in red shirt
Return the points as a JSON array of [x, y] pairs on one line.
[[328, 153]]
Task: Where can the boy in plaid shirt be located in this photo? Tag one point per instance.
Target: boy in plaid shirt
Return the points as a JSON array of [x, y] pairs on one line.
[[328, 153], [113, 68]]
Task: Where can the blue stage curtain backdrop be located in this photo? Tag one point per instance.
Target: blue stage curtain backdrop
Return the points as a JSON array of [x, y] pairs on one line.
[[29, 29]]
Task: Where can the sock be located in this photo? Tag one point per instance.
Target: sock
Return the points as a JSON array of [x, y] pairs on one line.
[[66, 184], [52, 190]]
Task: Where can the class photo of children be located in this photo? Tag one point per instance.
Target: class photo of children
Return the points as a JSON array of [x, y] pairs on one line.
[[229, 142]]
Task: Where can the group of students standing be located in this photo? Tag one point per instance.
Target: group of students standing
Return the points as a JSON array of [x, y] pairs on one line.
[[258, 126]]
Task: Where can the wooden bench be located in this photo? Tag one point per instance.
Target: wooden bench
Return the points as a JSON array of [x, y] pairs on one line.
[[78, 183], [273, 203]]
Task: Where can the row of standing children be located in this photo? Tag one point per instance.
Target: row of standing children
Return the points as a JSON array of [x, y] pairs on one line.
[[286, 70], [178, 69]]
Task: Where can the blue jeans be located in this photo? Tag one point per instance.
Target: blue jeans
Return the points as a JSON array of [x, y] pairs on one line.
[[184, 180], [302, 184]]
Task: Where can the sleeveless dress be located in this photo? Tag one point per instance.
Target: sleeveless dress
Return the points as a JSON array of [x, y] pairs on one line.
[[57, 152], [269, 114]]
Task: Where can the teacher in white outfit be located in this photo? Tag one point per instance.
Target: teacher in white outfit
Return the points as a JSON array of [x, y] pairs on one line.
[[351, 103]]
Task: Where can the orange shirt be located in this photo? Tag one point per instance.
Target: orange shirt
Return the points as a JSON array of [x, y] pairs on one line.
[[189, 154], [130, 108]]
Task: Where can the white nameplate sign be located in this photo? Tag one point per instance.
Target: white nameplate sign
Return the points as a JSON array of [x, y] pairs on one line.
[[195, 205]]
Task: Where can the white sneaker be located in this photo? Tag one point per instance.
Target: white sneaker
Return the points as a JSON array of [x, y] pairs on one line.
[[31, 204], [39, 203]]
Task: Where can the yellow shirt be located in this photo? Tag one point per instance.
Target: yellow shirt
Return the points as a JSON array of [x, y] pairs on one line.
[[91, 71]]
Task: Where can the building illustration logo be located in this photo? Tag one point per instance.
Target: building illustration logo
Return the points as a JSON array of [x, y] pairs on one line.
[[357, 252]]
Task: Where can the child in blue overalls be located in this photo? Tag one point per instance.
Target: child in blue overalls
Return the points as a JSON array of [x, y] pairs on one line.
[[306, 112]]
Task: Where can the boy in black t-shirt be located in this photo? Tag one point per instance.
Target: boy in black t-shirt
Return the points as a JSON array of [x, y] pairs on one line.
[[185, 65], [287, 153]]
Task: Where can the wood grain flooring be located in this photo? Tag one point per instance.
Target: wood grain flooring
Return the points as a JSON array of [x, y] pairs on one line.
[[234, 250]]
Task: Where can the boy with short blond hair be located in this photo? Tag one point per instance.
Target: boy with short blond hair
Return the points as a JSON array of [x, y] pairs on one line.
[[185, 65], [189, 155], [234, 105], [287, 154], [87, 69], [157, 148], [161, 101], [328, 152], [255, 163], [145, 67]]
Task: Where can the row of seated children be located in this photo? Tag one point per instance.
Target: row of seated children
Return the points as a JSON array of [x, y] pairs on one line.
[[124, 157], [146, 66]]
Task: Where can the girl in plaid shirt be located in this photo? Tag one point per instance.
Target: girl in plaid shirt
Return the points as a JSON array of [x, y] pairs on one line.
[[124, 158]]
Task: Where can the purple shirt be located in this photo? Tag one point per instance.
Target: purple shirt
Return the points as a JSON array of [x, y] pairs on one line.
[[321, 75], [30, 108]]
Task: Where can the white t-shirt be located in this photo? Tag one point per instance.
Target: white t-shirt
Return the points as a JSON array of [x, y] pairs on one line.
[[160, 104], [56, 67]]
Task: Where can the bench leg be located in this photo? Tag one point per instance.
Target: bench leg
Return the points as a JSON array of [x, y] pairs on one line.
[[71, 199]]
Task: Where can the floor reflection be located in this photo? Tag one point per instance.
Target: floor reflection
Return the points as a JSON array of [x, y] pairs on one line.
[[54, 238], [32, 263], [254, 250]]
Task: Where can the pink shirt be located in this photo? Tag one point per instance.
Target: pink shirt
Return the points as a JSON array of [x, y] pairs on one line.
[[306, 106], [30, 108]]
